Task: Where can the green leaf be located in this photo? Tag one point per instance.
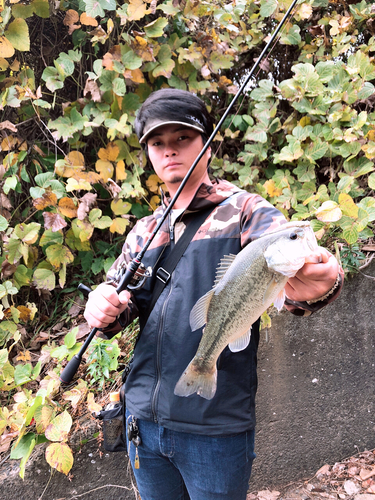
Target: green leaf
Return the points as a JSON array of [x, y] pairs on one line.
[[119, 87], [22, 374], [316, 150], [27, 233], [22, 448], [268, 7], [293, 36], [70, 338], [3, 223], [18, 35], [166, 63], [156, 28], [94, 8], [371, 181], [44, 279], [58, 254], [41, 8]]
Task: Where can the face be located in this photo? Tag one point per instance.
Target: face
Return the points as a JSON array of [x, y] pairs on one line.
[[172, 150]]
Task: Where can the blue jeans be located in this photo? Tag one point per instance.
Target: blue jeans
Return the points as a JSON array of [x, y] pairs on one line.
[[181, 466]]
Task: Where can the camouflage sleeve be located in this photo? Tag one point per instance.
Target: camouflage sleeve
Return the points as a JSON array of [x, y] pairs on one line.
[[258, 217]]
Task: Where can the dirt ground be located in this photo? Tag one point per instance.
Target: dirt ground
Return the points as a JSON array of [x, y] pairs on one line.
[[351, 479], [98, 475]]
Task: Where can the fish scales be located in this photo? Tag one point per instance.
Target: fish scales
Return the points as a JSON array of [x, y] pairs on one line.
[[255, 278]]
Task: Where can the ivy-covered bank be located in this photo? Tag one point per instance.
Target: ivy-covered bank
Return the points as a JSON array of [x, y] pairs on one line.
[[74, 178]]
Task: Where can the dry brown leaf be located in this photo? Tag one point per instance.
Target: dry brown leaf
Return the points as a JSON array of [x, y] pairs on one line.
[[8, 125], [5, 202], [53, 221], [71, 17], [48, 199], [87, 20], [92, 88], [67, 207]]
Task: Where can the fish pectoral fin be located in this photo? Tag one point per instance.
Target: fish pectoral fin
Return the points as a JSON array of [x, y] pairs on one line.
[[241, 343], [198, 315], [280, 299]]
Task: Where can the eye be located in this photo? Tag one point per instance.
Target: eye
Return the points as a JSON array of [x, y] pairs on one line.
[[293, 236]]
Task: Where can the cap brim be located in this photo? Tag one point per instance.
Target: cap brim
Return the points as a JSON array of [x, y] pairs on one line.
[[145, 136]]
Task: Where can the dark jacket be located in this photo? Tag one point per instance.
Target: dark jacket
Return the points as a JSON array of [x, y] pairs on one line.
[[166, 344]]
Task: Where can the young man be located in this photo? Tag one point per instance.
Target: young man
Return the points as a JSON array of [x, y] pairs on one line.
[[192, 447]]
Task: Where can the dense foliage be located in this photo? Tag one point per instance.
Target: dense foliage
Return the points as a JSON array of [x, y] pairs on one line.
[[73, 177]]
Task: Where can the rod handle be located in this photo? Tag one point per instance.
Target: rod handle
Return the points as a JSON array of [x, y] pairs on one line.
[[70, 370]]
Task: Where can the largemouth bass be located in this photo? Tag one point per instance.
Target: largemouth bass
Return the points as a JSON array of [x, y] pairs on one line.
[[246, 285]]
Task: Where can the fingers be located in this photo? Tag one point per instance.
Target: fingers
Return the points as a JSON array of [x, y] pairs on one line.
[[104, 305], [315, 278]]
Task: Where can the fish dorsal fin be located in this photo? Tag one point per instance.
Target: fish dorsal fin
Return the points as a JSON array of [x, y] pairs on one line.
[[223, 267], [198, 315], [241, 343]]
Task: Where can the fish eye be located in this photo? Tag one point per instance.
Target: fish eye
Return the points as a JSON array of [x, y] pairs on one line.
[[293, 236]]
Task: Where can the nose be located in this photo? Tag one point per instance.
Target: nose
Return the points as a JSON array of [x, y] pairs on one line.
[[170, 150]]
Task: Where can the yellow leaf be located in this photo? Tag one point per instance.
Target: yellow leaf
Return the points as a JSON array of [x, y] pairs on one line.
[[105, 168], [110, 153], [3, 64], [329, 212], [110, 26], [119, 225], [75, 185], [120, 171], [137, 9], [371, 135], [320, 233], [306, 120], [153, 183], [120, 207], [18, 35], [155, 202], [91, 405], [6, 48], [60, 457], [347, 205], [305, 11], [75, 159], [271, 188]]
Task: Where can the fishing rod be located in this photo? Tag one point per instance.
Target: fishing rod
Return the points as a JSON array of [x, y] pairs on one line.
[[135, 273]]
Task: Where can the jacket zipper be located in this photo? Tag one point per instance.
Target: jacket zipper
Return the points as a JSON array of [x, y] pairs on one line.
[[160, 334]]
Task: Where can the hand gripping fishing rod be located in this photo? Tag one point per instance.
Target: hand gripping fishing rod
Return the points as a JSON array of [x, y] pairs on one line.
[[127, 277]]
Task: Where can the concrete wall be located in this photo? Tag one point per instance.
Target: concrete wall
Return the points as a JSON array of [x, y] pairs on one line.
[[316, 400]]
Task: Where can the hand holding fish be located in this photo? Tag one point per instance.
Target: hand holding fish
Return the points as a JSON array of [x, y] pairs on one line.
[[315, 278]]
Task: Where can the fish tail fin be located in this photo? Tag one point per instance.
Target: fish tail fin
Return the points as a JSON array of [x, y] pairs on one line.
[[193, 380]]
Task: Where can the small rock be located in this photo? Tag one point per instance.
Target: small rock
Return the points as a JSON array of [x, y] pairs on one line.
[[352, 488]]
